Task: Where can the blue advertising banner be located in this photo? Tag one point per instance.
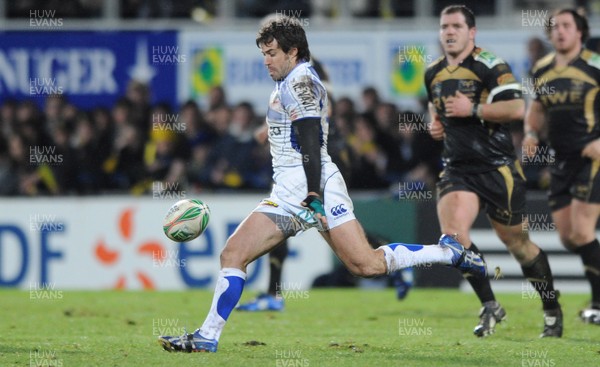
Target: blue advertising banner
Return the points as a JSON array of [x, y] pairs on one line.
[[90, 68]]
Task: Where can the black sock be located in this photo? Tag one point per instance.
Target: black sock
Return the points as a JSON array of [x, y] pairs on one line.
[[276, 258], [481, 286], [590, 255], [538, 272]]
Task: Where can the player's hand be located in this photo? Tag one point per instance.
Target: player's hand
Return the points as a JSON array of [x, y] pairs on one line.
[[592, 150], [261, 134], [436, 129], [529, 145], [315, 204], [458, 105]]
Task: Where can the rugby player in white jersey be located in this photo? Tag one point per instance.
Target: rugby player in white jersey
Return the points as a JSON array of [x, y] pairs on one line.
[[308, 192]]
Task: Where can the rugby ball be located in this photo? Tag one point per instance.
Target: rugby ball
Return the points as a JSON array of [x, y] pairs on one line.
[[186, 220]]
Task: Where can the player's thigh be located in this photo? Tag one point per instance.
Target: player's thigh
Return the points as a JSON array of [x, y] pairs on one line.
[[457, 211], [255, 236], [508, 233], [584, 217], [457, 205], [349, 242]]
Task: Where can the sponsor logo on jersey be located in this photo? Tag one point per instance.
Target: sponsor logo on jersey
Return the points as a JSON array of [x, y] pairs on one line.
[[338, 210]]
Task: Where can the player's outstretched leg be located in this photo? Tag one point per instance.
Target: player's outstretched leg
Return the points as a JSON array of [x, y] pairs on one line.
[[349, 243], [228, 290], [448, 251], [402, 279]]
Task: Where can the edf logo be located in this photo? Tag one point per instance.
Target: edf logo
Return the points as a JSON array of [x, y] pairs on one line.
[[338, 210]]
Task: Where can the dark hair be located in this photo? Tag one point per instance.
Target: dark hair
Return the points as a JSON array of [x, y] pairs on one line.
[[247, 106], [289, 34], [468, 13], [580, 22]]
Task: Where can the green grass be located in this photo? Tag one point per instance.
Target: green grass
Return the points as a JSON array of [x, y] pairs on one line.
[[329, 328]]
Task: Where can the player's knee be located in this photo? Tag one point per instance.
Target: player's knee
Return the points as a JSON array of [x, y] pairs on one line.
[[516, 243], [363, 269], [230, 256], [227, 256], [578, 238]]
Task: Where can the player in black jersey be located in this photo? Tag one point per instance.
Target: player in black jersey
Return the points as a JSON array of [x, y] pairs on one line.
[[473, 97], [566, 101]]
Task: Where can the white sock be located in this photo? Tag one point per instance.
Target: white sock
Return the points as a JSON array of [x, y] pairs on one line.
[[228, 290], [399, 256]]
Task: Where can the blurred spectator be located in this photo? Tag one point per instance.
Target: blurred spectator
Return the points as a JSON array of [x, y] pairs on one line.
[[89, 155], [166, 151], [104, 130], [387, 117], [420, 155], [17, 167], [138, 94], [197, 130], [8, 181], [29, 168], [63, 161], [200, 137], [53, 112], [125, 162], [30, 124], [369, 168], [8, 113], [370, 100], [344, 107], [230, 162], [216, 98], [536, 49], [218, 120]]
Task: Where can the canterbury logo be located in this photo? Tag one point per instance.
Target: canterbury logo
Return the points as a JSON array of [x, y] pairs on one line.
[[338, 210]]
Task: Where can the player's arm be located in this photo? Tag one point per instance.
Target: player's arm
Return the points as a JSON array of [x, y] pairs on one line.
[[532, 125], [501, 111], [308, 131], [261, 134], [302, 104], [504, 102], [436, 129]]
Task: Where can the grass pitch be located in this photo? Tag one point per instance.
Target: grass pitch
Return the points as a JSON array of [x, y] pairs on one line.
[[318, 328]]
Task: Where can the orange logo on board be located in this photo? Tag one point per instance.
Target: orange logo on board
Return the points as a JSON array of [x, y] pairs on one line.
[[109, 256]]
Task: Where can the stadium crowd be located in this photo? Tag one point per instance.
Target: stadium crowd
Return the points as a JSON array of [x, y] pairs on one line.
[[143, 148]]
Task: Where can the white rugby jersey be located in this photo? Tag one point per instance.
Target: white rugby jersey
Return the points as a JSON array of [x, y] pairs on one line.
[[300, 95]]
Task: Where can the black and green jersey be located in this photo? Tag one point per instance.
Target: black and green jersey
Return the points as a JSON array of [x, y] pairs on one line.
[[472, 145], [570, 98]]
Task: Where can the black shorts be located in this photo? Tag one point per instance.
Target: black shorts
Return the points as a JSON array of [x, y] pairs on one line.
[[574, 180], [501, 191]]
